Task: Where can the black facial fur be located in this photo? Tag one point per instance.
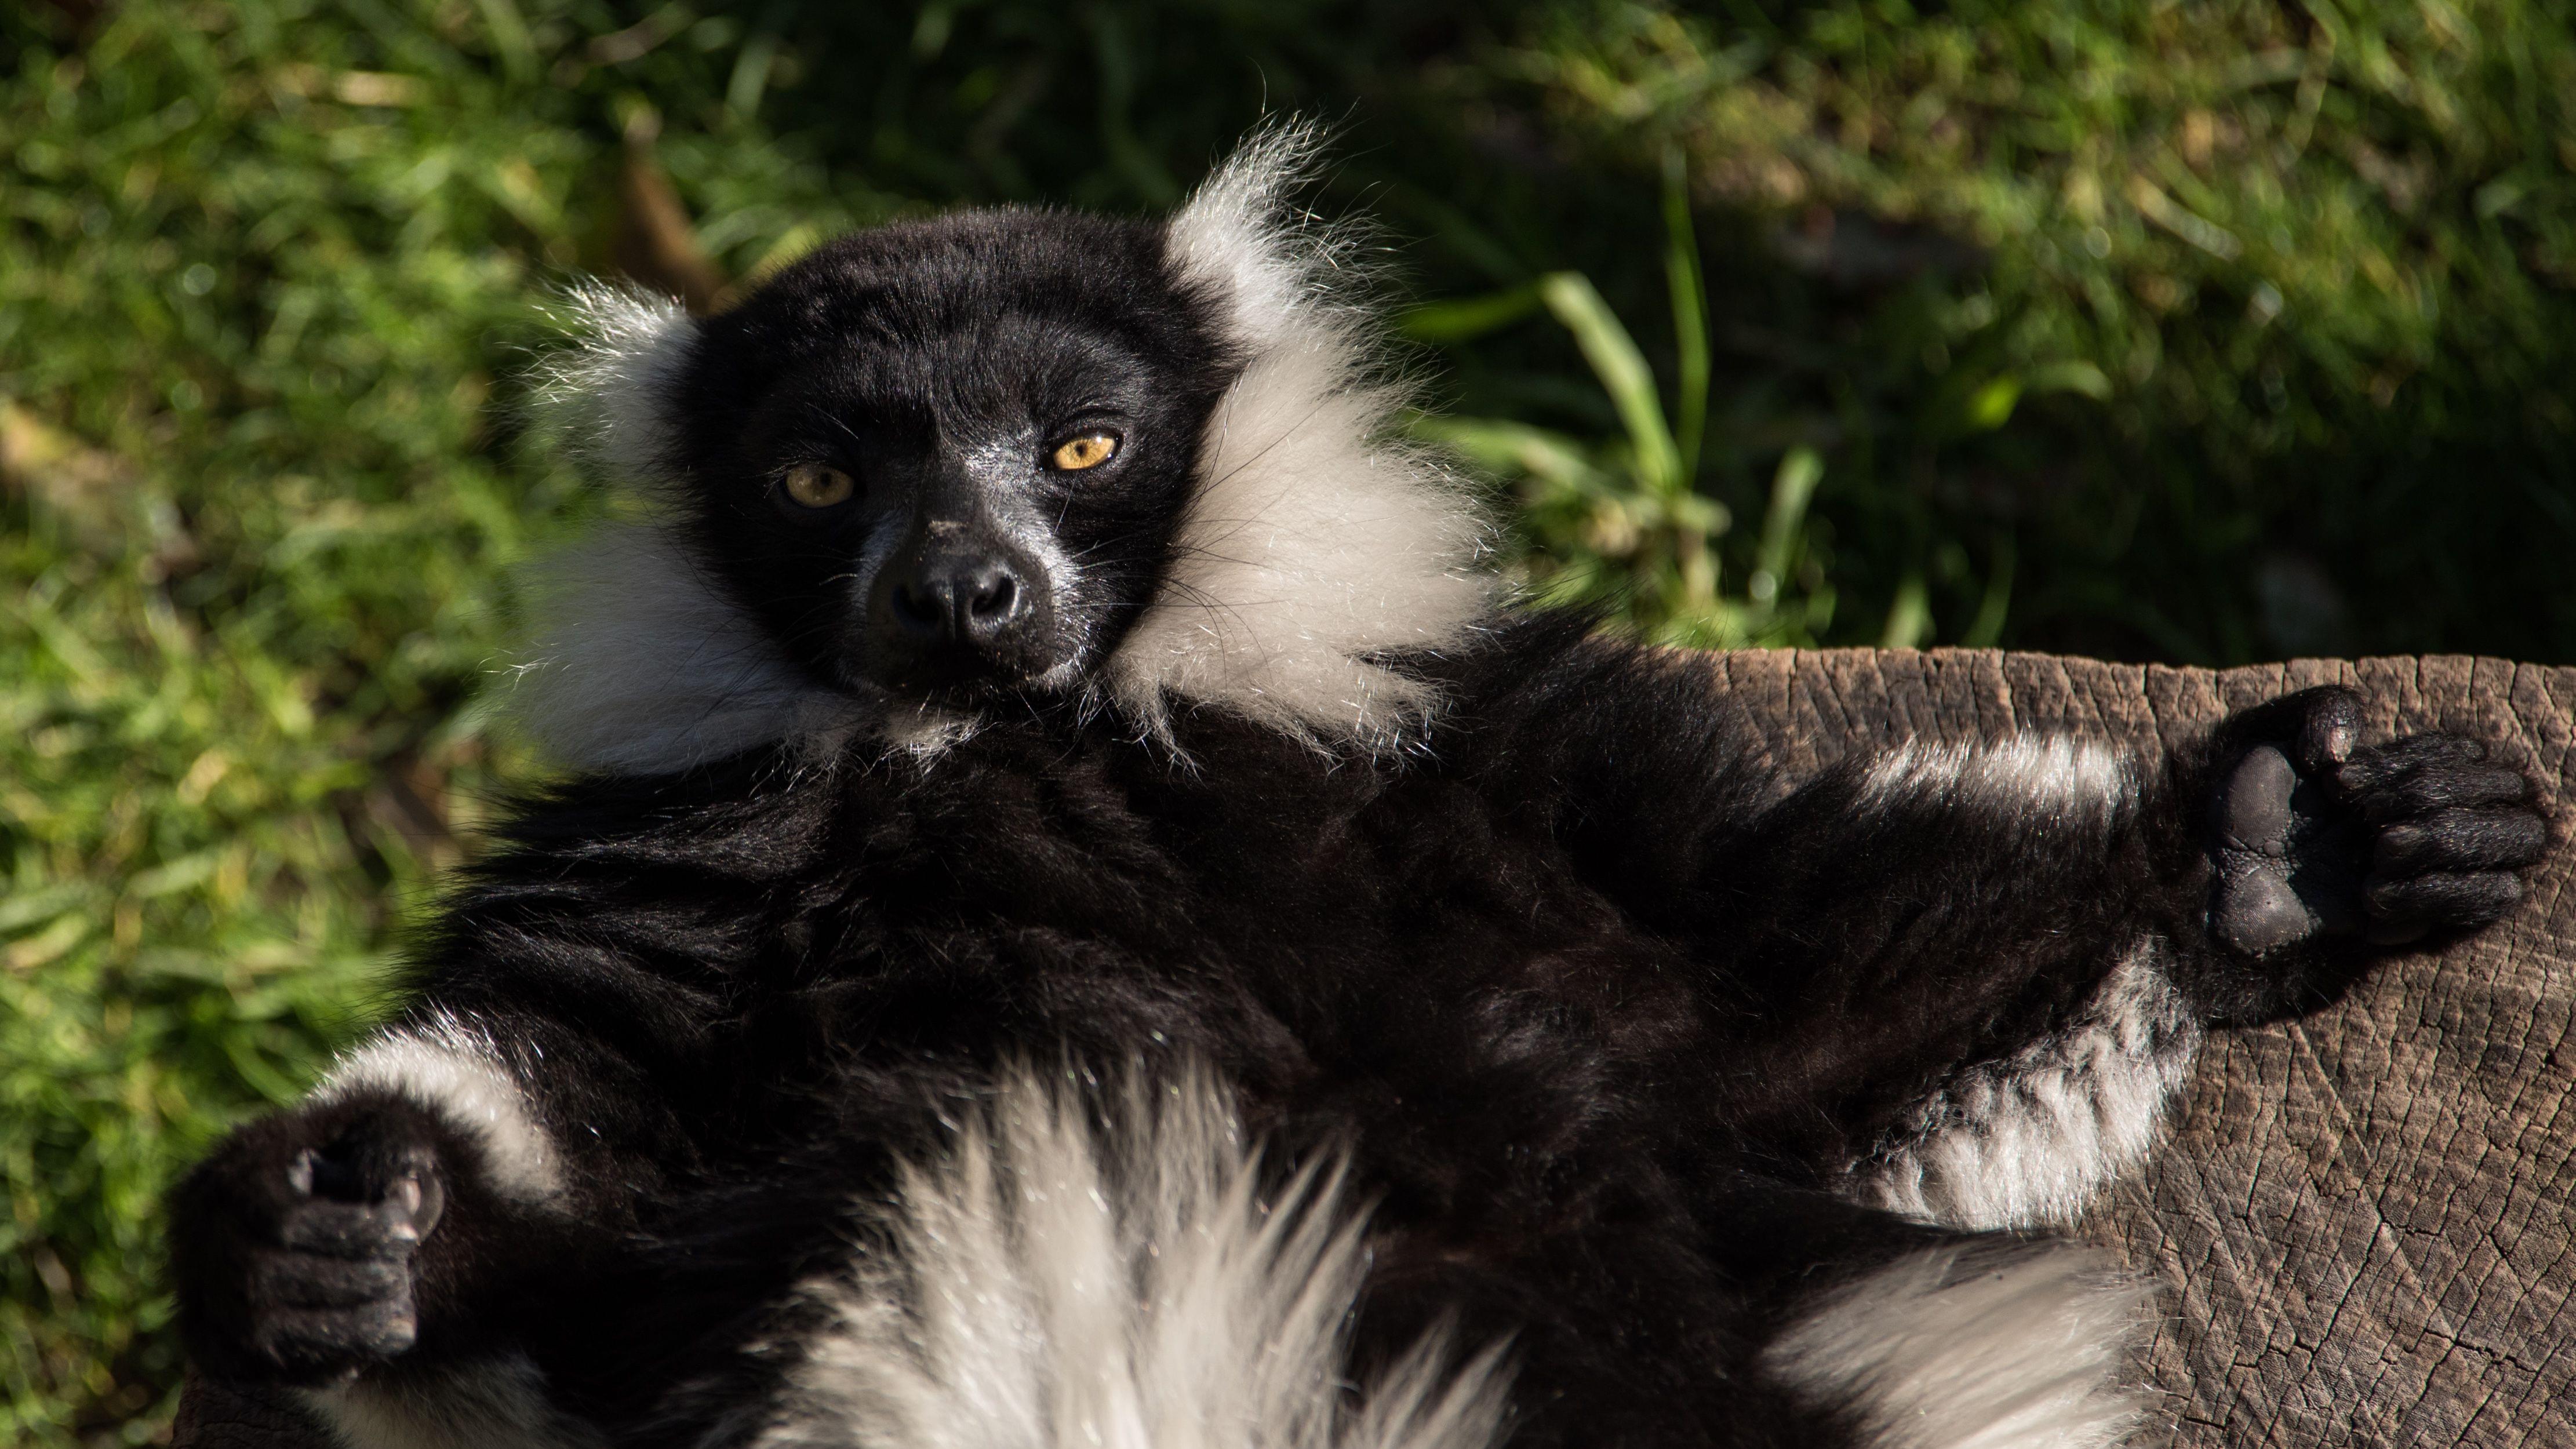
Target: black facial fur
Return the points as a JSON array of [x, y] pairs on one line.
[[940, 365]]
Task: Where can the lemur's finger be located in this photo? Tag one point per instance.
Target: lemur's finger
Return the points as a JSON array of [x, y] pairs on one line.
[[2425, 791], [2329, 731], [2443, 901], [324, 1338], [350, 1230], [305, 1280], [2254, 809], [2315, 727], [2401, 757], [2460, 839]]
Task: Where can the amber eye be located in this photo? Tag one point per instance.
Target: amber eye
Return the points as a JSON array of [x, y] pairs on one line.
[[1088, 450], [814, 485]]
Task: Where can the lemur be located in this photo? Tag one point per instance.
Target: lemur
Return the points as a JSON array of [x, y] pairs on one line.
[[1082, 913]]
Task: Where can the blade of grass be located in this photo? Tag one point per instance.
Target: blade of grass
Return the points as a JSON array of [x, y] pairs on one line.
[[1463, 319], [1988, 627], [1623, 373], [1792, 488], [1909, 617], [1690, 313]]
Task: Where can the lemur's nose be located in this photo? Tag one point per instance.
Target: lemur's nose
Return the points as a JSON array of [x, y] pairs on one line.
[[960, 600]]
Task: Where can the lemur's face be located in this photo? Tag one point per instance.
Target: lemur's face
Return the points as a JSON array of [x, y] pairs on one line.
[[945, 459]]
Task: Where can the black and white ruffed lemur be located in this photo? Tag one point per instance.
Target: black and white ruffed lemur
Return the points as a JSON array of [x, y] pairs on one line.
[[1081, 918]]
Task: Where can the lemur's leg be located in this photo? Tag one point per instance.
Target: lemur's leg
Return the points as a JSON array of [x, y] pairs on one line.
[[1994, 965]]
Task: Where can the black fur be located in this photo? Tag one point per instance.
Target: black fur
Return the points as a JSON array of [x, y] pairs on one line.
[[942, 361], [1608, 1017]]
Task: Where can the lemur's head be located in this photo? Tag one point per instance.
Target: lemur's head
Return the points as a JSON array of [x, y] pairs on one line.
[[944, 459], [951, 465]]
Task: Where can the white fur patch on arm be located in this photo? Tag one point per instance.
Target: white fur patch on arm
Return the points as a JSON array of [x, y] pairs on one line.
[[1053, 1285], [1994, 1346], [2046, 778], [2028, 1141], [456, 1071]]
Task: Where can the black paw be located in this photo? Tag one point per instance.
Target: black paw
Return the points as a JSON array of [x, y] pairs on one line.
[[2316, 835], [294, 1244]]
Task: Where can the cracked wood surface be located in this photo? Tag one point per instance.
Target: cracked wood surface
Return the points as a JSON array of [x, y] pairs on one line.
[[2361, 1223]]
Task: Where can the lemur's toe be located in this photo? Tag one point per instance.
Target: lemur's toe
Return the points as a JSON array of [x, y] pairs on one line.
[[2457, 839], [2401, 910], [2262, 821], [2329, 728], [2423, 774]]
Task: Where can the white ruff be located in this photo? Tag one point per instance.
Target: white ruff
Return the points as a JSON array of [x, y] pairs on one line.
[[644, 665], [1315, 539], [2028, 1142], [453, 1069], [1049, 1286], [2005, 1346]]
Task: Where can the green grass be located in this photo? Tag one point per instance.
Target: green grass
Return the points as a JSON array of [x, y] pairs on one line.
[[268, 277], [2192, 332], [2251, 325]]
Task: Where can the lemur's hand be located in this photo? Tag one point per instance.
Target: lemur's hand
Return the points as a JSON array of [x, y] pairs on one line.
[[294, 1243], [2314, 835]]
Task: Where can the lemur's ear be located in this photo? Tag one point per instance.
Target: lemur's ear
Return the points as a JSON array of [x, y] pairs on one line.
[[614, 392], [1266, 270], [1316, 539]]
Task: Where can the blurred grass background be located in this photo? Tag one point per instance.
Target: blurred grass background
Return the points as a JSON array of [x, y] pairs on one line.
[[2200, 332]]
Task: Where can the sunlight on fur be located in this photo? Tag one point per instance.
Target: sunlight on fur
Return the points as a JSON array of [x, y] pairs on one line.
[[1053, 1284], [1316, 539], [2004, 1346]]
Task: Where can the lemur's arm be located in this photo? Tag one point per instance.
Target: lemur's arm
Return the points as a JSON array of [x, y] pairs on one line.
[[1972, 975], [485, 1149]]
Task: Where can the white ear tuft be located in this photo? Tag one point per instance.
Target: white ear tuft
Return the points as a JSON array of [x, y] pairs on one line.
[[1238, 240], [1316, 542], [612, 390]]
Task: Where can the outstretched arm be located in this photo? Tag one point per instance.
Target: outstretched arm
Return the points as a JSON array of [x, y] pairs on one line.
[[1967, 978]]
